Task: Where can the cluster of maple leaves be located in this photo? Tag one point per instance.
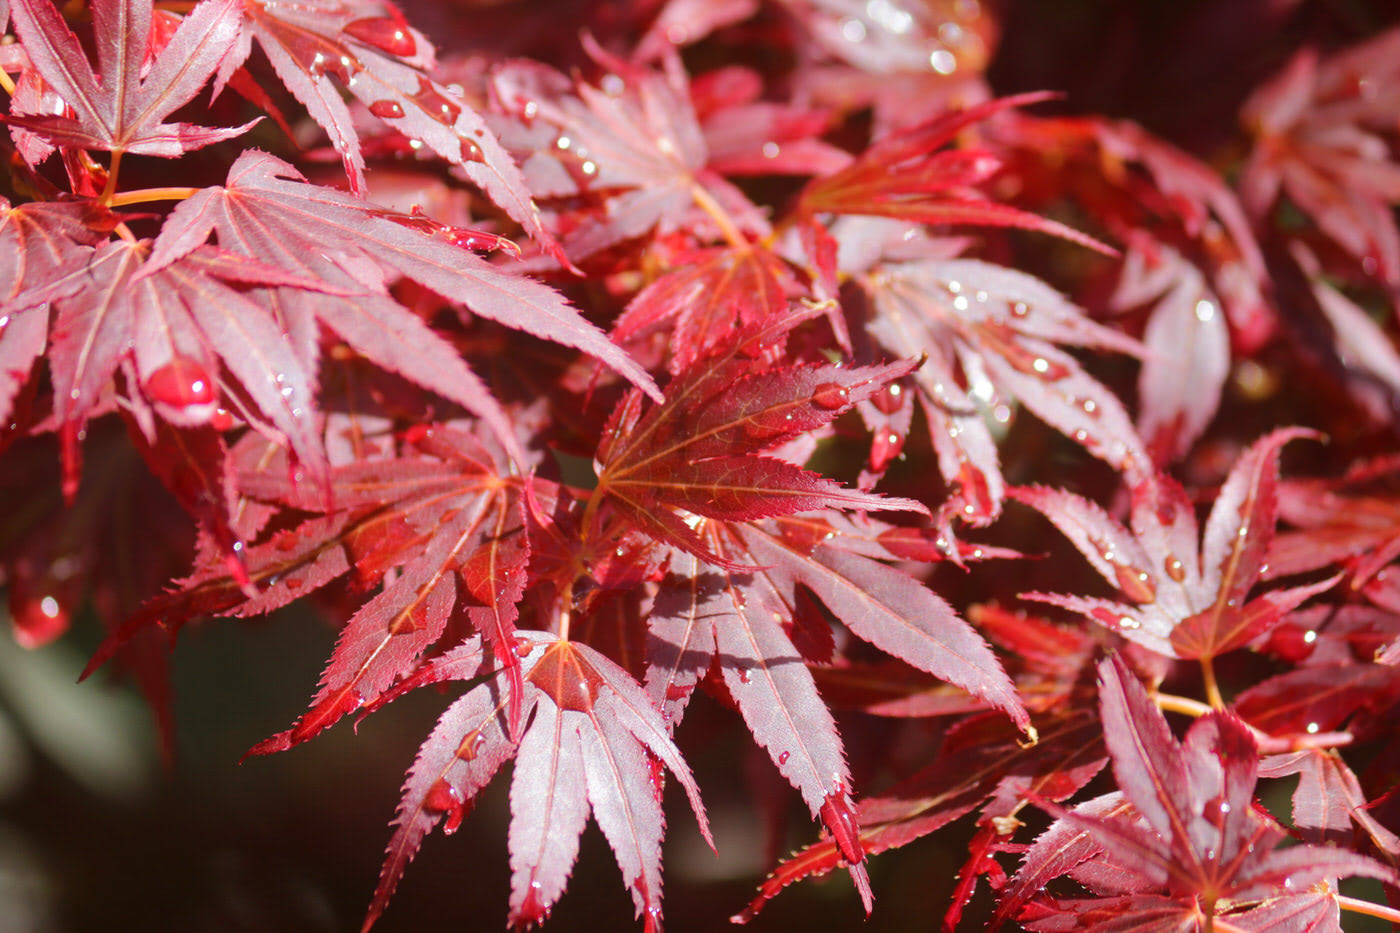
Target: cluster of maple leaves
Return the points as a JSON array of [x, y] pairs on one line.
[[591, 389]]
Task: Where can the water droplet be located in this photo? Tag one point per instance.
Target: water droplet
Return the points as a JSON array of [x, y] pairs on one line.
[[1174, 568], [1309, 637], [1128, 623], [436, 104], [386, 109], [1313, 728], [830, 396], [563, 142], [743, 675], [471, 152], [1020, 309], [853, 30], [771, 150], [181, 383], [49, 607], [442, 797], [783, 758], [943, 61], [1135, 584], [387, 35], [471, 744], [960, 303], [1205, 311]]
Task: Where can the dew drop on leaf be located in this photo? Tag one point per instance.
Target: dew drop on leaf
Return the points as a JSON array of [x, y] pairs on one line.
[[181, 383], [435, 103], [783, 758], [469, 746], [442, 797], [1135, 584], [386, 34], [829, 396], [471, 152], [1174, 569], [386, 109]]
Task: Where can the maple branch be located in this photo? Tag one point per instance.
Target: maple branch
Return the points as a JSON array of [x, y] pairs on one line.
[[1211, 686], [707, 203], [1358, 906], [151, 194], [1268, 744]]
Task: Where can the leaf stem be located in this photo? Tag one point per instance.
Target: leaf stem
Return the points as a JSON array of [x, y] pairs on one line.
[[707, 203], [1357, 906], [110, 189], [1211, 686], [1185, 705], [7, 82], [151, 194]]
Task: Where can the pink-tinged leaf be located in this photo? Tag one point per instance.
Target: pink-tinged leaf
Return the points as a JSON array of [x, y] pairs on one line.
[[1360, 341], [1328, 799], [1310, 700], [1301, 866], [1241, 524], [38, 242], [698, 450], [1186, 361], [384, 63], [893, 612], [710, 296], [986, 332], [319, 230], [900, 177], [1056, 852], [457, 760], [1146, 758], [1310, 912], [1225, 628], [118, 110], [548, 812], [592, 720]]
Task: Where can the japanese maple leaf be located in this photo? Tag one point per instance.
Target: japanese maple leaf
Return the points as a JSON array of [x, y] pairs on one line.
[[446, 515], [175, 328], [698, 454], [1185, 844], [118, 108], [38, 241], [904, 177], [1183, 599], [634, 143], [710, 295], [269, 212], [592, 744], [989, 334], [1351, 521], [370, 50], [1146, 191], [983, 763], [1328, 799], [1186, 344], [1324, 141]]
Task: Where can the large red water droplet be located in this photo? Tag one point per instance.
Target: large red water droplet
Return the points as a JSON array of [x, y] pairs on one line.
[[1292, 643], [783, 758], [386, 109], [181, 383], [1174, 568], [1136, 584], [884, 447], [471, 152], [436, 104], [469, 746], [386, 34], [890, 399], [830, 396]]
